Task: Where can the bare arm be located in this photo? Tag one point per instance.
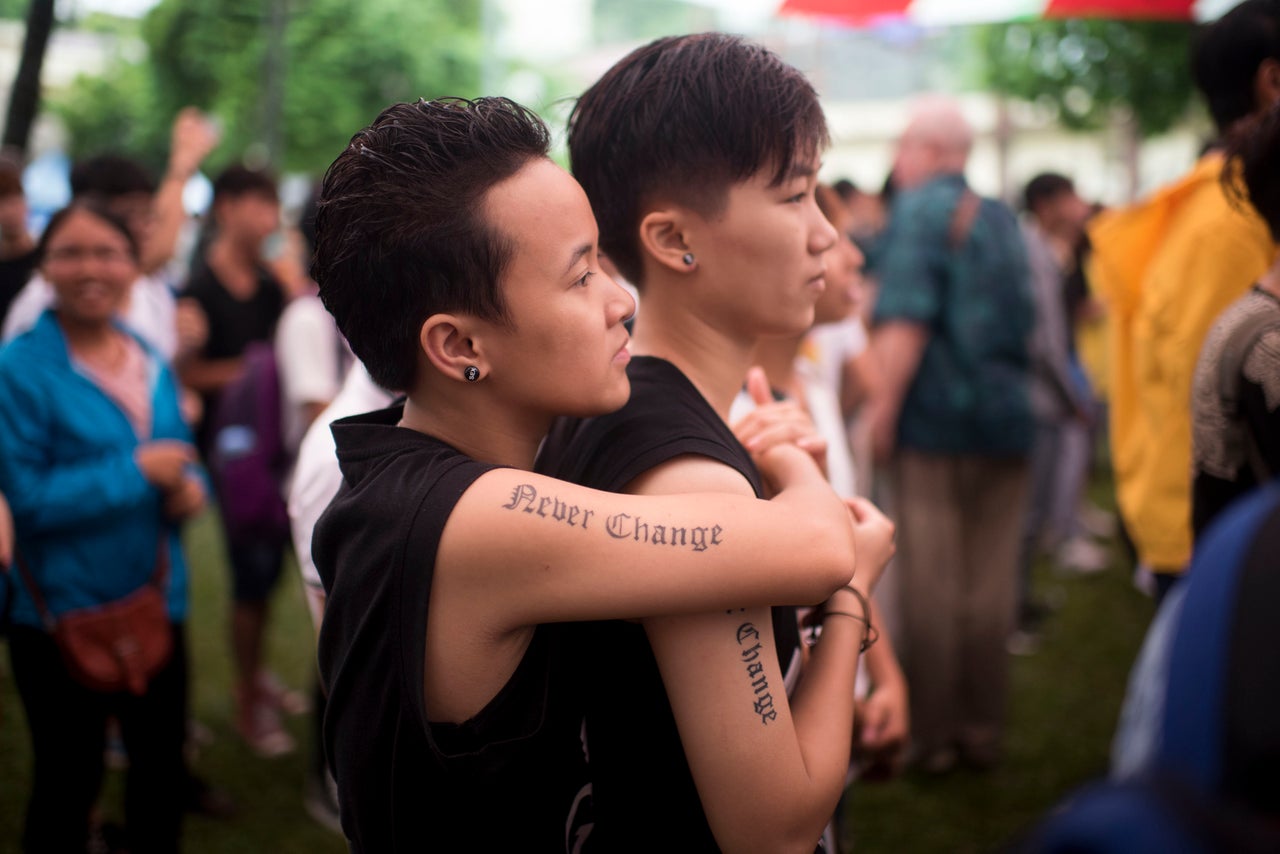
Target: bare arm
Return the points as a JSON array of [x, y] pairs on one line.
[[208, 375], [192, 140], [538, 550], [898, 347], [769, 770]]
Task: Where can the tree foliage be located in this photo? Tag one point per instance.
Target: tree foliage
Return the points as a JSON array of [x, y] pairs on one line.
[[343, 63], [1086, 70]]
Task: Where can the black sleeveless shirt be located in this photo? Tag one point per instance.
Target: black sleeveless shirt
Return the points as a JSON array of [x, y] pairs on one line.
[[513, 778], [645, 797]]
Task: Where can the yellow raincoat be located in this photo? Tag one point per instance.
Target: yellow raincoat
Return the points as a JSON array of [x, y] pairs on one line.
[[1166, 268]]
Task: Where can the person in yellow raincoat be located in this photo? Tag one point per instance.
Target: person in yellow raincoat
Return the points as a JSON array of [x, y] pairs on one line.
[[1166, 268]]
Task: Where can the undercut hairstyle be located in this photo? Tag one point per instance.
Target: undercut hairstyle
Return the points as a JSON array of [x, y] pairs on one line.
[[1253, 171], [1044, 188], [681, 120], [238, 180], [401, 226], [95, 207], [1227, 54], [110, 176]]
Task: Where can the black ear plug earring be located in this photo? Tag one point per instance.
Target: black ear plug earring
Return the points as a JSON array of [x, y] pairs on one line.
[[472, 373], [688, 259]]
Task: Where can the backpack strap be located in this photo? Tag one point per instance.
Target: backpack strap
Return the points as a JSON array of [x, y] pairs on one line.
[[1231, 382]]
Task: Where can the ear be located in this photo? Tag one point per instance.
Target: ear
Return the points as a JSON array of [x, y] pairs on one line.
[[1266, 84], [449, 342], [663, 238]]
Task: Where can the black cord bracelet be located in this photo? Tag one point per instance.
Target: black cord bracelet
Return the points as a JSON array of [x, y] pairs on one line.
[[873, 634]]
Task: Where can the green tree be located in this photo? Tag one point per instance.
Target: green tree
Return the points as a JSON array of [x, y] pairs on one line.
[[1087, 70], [343, 62]]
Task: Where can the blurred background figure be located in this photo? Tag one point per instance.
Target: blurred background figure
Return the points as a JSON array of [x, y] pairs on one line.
[[1235, 423], [155, 216], [95, 457], [17, 246], [1167, 268], [1060, 400], [242, 302], [953, 422]]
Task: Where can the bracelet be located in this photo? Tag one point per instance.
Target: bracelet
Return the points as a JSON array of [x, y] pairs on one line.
[[869, 636], [873, 634]]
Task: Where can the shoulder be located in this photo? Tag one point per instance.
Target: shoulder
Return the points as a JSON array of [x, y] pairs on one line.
[[666, 417]]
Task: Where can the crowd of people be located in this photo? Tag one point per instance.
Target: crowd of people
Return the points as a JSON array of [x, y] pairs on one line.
[[583, 469]]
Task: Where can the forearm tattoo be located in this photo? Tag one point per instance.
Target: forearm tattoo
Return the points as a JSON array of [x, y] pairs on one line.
[[752, 656], [619, 526]]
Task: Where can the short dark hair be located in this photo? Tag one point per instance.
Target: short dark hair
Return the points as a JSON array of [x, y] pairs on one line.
[[1253, 152], [1226, 56], [97, 208], [109, 176], [845, 189], [239, 180], [683, 118], [1044, 188], [401, 232]]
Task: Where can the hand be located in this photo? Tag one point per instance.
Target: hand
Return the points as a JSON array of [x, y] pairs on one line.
[[6, 533], [785, 465], [774, 422], [192, 325], [882, 723], [163, 462], [185, 501], [193, 137], [873, 535]]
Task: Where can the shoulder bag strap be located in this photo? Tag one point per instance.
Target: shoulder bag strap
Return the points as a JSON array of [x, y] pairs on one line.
[[46, 618]]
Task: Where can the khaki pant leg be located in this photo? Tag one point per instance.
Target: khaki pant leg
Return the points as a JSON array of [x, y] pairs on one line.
[[929, 543], [995, 494]]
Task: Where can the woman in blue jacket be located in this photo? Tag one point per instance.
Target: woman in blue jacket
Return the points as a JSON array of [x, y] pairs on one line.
[[95, 460]]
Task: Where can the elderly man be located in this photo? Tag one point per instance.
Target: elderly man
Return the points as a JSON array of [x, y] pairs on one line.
[[954, 422]]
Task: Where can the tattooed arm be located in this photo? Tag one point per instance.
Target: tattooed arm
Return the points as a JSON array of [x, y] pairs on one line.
[[769, 771], [521, 549]]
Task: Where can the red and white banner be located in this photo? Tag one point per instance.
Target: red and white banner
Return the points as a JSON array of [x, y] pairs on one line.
[[862, 13]]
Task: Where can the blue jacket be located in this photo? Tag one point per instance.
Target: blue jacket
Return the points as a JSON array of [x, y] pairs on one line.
[[88, 523]]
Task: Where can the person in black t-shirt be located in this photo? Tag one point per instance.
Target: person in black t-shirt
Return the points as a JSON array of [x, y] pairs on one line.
[[461, 265], [241, 302], [700, 157]]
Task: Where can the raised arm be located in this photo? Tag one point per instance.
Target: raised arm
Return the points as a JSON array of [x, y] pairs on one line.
[[538, 550]]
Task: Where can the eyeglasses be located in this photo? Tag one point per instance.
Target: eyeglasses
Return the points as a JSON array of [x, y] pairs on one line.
[[75, 254]]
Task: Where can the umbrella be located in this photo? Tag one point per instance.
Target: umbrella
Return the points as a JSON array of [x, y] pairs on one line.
[[942, 12]]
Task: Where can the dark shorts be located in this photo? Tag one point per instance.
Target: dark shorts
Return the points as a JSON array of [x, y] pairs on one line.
[[255, 567]]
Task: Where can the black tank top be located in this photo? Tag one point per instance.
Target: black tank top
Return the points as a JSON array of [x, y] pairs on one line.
[[644, 794], [510, 779]]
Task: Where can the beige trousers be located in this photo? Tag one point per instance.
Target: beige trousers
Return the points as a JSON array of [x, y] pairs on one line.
[[959, 526]]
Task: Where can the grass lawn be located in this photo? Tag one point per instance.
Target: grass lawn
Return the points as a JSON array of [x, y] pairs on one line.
[[1065, 703]]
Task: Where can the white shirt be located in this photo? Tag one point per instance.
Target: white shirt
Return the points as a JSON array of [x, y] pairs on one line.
[[310, 359], [316, 476]]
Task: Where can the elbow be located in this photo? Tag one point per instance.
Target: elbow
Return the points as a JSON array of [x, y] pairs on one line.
[[831, 538], [788, 835]]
